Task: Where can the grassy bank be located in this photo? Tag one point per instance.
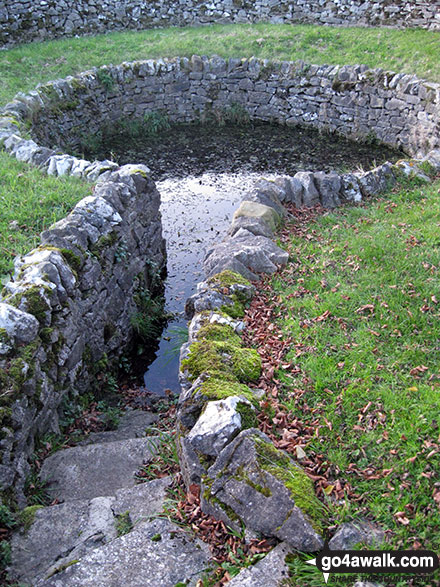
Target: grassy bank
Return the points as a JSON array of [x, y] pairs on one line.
[[31, 200], [360, 302], [411, 51]]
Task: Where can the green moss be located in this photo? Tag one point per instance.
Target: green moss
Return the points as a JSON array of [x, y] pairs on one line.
[[123, 524], [46, 335], [156, 538], [62, 567], [4, 337], [227, 278], [219, 332], [248, 416], [300, 486], [17, 373], [223, 360], [427, 168], [102, 364], [104, 242], [72, 259], [35, 303], [215, 389], [77, 84], [27, 516], [235, 310], [5, 414], [208, 497], [242, 475]]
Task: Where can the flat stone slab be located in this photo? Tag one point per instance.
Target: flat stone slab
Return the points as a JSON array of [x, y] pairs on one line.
[[143, 500], [132, 424], [268, 572], [85, 472], [59, 534], [66, 532], [155, 554]]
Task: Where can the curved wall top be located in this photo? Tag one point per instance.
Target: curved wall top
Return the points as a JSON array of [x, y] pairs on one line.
[[25, 20], [399, 110]]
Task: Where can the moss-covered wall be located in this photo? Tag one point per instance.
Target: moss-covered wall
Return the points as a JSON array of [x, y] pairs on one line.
[[66, 315]]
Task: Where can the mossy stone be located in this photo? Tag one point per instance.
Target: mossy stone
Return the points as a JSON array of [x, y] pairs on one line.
[[215, 389], [219, 332], [224, 360], [27, 516], [227, 278], [300, 486]]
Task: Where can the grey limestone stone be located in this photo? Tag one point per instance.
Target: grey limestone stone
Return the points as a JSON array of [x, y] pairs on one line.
[[154, 553], [238, 481], [270, 571], [219, 422], [310, 195], [76, 473], [20, 327], [350, 534], [329, 187]]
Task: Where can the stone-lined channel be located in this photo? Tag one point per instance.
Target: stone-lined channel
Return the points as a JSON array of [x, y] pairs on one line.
[[202, 173]]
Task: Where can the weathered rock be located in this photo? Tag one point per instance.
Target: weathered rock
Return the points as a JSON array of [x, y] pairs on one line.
[[206, 298], [191, 467], [141, 501], [350, 534], [433, 158], [19, 327], [76, 473], [268, 193], [267, 214], [59, 534], [154, 553], [350, 189], [329, 187], [256, 226], [132, 424], [218, 424], [294, 191], [310, 195], [247, 482], [411, 169], [256, 253], [268, 572]]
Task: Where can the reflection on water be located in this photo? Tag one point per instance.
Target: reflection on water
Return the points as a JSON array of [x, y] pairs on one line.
[[196, 214]]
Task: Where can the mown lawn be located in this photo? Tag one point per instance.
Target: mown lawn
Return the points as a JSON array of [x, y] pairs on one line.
[[360, 303]]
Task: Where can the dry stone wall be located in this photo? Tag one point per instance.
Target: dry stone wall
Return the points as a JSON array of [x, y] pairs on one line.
[[25, 20], [399, 110], [67, 310], [66, 314]]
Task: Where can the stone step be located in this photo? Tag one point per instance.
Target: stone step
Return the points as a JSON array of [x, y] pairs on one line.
[[66, 532], [154, 553], [132, 424], [271, 571], [85, 472]]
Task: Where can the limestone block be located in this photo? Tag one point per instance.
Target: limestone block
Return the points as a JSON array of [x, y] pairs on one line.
[[249, 477], [16, 327], [219, 422], [260, 211]]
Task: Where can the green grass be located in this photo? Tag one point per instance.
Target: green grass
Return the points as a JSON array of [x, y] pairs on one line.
[[412, 51], [361, 302], [35, 201]]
